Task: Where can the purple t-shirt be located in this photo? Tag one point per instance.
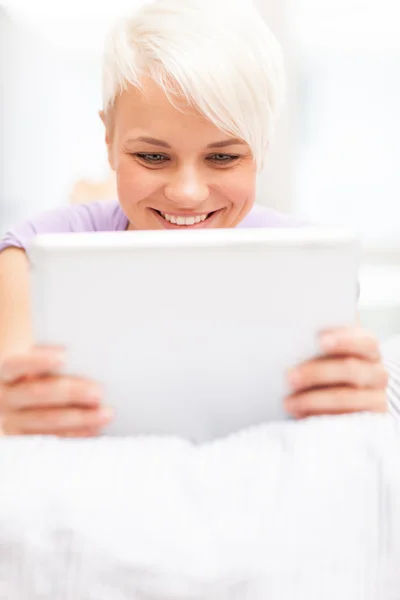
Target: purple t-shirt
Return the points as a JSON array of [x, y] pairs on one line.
[[108, 216]]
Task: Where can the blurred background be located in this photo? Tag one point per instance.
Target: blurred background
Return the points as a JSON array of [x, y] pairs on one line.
[[335, 159]]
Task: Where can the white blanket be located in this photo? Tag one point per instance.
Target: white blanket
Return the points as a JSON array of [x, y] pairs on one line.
[[391, 359], [305, 511]]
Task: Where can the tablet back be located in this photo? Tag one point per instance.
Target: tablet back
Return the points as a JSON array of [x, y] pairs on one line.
[[192, 333]]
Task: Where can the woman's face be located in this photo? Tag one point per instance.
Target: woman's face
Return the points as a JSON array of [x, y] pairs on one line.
[[174, 168]]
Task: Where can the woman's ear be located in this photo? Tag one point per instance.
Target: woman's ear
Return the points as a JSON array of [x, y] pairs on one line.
[[106, 120]]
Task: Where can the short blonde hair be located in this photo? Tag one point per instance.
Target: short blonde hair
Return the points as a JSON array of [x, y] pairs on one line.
[[220, 56]]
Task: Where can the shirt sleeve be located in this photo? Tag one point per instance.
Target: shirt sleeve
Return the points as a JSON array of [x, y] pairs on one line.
[[19, 237], [96, 216]]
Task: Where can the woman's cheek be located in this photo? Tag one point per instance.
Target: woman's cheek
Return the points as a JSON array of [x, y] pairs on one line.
[[135, 184]]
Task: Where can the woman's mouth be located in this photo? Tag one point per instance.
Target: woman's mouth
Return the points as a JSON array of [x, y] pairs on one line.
[[184, 220]]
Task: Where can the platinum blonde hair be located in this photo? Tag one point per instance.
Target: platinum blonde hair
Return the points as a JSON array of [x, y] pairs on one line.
[[219, 56]]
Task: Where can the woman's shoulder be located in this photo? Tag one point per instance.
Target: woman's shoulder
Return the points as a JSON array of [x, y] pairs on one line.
[[95, 216], [261, 216]]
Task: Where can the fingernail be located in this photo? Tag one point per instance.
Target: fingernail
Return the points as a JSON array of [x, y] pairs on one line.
[[106, 413], [294, 379], [328, 342], [94, 393], [291, 406], [59, 360]]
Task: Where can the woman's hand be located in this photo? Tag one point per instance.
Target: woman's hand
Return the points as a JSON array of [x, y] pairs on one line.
[[348, 377], [36, 400]]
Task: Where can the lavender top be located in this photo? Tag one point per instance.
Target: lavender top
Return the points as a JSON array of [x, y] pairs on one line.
[[108, 216]]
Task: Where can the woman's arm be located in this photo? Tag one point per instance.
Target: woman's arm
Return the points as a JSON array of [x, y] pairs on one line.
[[15, 310]]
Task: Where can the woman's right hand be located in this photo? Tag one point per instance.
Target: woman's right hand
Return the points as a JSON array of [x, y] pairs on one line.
[[36, 400]]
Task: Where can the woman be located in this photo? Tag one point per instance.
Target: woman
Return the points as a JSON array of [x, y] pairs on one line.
[[191, 93]]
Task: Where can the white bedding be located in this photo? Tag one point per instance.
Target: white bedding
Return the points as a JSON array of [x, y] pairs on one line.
[[305, 511]]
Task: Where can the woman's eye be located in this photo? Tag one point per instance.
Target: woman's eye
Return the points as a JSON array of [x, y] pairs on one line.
[[223, 158], [153, 159]]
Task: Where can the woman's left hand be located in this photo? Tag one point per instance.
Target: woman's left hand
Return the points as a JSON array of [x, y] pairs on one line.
[[348, 377]]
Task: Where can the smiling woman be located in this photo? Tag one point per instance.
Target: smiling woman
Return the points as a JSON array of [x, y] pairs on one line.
[[170, 160], [191, 94]]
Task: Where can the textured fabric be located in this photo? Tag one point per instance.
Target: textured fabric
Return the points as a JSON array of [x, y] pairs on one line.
[[108, 216], [289, 511], [391, 360]]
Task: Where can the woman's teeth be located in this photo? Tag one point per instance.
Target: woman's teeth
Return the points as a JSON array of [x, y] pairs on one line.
[[184, 220]]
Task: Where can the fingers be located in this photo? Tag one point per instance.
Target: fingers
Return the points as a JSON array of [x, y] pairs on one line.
[[37, 362], [36, 400], [49, 392], [348, 378], [336, 401], [72, 422], [353, 372], [350, 341]]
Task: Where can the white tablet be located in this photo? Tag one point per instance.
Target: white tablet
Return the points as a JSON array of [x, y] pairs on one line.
[[192, 333]]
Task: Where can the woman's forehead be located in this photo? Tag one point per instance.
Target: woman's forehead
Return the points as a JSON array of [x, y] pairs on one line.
[[150, 113]]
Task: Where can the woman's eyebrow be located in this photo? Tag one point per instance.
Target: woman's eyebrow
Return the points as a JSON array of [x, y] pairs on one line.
[[225, 143], [149, 140], [163, 144]]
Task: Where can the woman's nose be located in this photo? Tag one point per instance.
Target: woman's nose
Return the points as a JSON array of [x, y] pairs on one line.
[[187, 189]]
